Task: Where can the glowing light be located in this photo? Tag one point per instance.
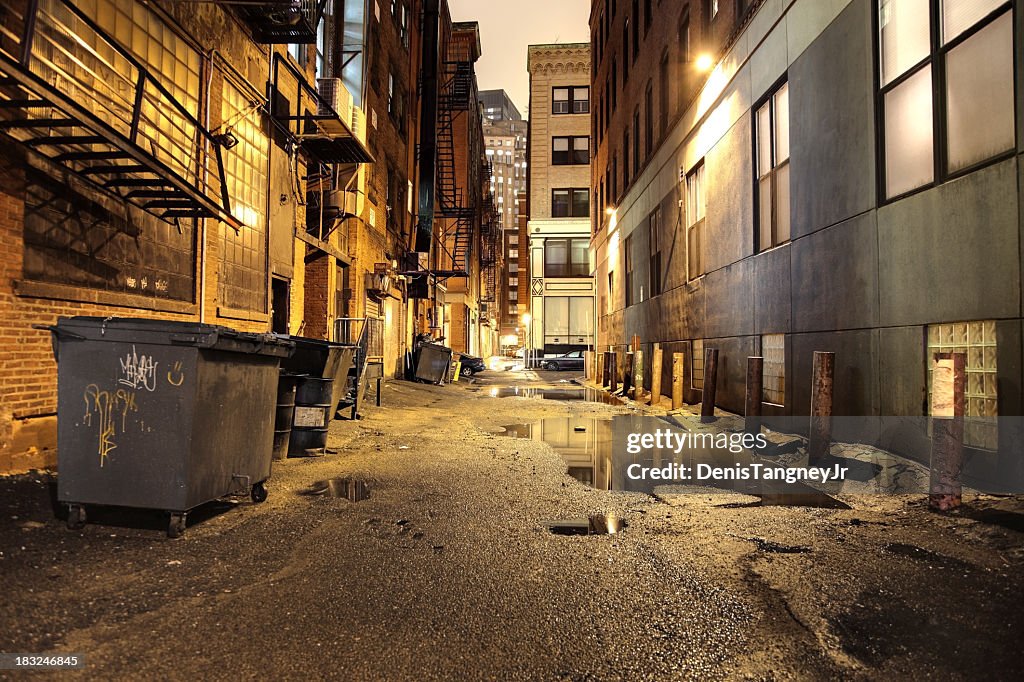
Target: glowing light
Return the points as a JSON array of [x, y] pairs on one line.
[[527, 318], [705, 62], [610, 211]]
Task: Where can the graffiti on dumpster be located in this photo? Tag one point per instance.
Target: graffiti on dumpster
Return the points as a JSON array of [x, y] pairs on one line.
[[138, 371], [175, 376], [107, 406]]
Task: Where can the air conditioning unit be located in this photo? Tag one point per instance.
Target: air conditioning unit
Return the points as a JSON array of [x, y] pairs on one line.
[[336, 96], [359, 124], [377, 283], [347, 203]]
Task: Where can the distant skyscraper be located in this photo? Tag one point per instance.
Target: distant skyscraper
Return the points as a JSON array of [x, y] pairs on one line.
[[498, 106]]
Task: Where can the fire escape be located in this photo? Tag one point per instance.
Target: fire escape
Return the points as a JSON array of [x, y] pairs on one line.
[[489, 236], [72, 94], [453, 206]]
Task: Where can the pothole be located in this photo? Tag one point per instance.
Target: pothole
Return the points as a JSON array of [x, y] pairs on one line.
[[351, 489], [595, 524]]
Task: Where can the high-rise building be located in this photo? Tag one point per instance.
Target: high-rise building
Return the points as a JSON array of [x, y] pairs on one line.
[[561, 285], [498, 106]]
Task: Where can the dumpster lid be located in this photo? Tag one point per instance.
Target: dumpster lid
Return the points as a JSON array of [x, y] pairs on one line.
[[171, 333]]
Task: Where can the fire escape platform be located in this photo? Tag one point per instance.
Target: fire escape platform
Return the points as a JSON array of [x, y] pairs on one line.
[[108, 154]]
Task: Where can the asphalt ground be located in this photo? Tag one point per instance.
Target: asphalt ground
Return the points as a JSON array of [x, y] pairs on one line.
[[448, 571]]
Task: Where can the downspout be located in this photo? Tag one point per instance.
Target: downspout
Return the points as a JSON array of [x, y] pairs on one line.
[[206, 178]]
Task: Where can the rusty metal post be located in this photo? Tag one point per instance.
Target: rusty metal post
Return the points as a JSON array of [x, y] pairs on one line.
[[656, 360], [634, 343], [949, 378], [638, 374], [821, 407], [677, 380], [599, 368], [627, 373], [606, 380], [613, 372], [707, 399], [752, 411]]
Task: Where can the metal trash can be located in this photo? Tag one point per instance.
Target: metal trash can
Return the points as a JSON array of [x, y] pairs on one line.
[[432, 362], [162, 415], [313, 412], [285, 413], [323, 360]]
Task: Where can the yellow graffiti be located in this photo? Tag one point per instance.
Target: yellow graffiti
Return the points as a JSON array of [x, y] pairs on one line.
[[106, 406], [178, 376]]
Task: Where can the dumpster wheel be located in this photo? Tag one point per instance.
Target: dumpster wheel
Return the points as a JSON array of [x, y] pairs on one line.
[[176, 526], [76, 517], [258, 492]]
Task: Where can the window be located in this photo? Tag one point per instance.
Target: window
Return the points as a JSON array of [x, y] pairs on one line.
[[571, 100], [613, 86], [611, 290], [567, 258], [570, 151], [697, 365], [625, 52], [625, 159], [649, 121], [655, 249], [978, 341], [773, 350], [663, 94], [627, 269], [570, 203], [403, 25], [636, 141], [683, 40], [695, 207], [772, 188], [937, 85], [636, 29]]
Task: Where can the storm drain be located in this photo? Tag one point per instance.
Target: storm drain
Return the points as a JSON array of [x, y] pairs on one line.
[[596, 524], [350, 489]]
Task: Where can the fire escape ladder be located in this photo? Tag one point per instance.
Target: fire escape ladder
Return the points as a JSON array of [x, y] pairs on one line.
[[453, 206]]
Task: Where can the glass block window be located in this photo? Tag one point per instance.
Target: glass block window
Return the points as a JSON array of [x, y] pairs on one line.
[[243, 281], [773, 350], [978, 341], [697, 365]]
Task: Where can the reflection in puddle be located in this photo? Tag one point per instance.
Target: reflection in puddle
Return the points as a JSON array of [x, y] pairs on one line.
[[597, 524], [585, 445], [571, 393], [350, 489]]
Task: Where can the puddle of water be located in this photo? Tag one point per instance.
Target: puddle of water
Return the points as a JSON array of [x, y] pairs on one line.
[[596, 524], [350, 489], [570, 393], [585, 445]]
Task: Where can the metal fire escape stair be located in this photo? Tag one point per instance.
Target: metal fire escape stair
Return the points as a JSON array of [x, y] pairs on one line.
[[456, 97]]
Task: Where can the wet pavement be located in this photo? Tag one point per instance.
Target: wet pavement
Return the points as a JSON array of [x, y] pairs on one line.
[[424, 546]]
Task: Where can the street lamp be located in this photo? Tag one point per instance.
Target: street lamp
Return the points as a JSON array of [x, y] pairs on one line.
[[705, 62], [527, 319]]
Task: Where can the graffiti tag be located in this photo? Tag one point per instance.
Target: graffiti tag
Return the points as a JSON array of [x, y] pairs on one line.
[[175, 377], [138, 371], [107, 406]]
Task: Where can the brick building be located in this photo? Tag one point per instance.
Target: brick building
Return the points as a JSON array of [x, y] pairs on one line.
[[561, 285], [157, 158]]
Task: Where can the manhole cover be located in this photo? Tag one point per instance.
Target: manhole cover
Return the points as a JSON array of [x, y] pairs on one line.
[[350, 489], [596, 524]]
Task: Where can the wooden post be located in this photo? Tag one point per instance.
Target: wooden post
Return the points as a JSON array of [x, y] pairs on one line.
[[634, 343], [677, 380], [607, 378], [599, 377], [707, 399], [821, 407], [948, 385], [755, 378], [627, 373], [656, 359], [613, 372]]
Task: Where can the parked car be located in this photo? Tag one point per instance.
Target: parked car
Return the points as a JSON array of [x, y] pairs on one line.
[[570, 360], [471, 365]]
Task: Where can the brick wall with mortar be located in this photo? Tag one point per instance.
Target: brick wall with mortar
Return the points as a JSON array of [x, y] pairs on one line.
[[27, 366]]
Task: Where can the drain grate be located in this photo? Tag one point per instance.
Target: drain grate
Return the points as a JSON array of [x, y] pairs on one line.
[[595, 524]]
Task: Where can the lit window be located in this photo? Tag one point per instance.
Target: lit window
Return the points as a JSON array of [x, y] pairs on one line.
[[773, 350], [697, 365], [978, 341], [953, 78], [772, 188]]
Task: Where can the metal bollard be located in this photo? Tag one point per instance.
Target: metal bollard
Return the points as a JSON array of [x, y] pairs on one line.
[[945, 491], [707, 400], [656, 360], [821, 407], [677, 380], [755, 379]]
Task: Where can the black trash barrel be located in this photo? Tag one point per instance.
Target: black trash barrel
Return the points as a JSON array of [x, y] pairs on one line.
[[286, 385], [313, 412], [162, 415], [323, 359]]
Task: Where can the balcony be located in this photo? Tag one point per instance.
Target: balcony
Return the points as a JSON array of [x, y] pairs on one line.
[[281, 22], [73, 95]]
